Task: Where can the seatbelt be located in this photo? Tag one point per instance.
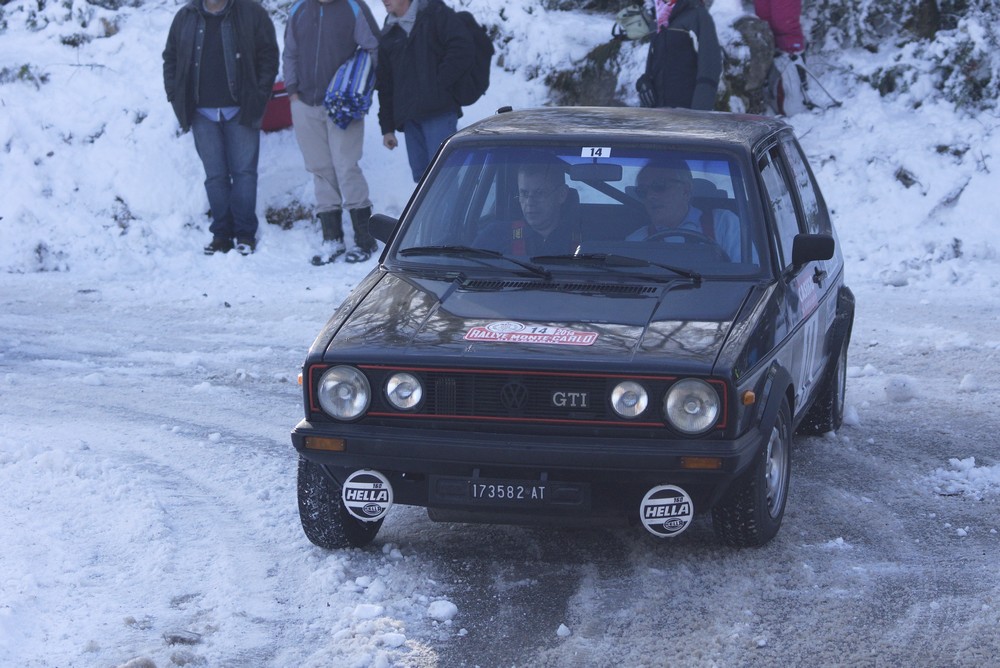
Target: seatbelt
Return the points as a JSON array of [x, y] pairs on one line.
[[519, 243]]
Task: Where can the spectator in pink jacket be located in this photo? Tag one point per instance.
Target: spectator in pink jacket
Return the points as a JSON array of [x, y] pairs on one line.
[[790, 81]]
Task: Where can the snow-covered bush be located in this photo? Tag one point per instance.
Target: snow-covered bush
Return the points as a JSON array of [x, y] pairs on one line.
[[950, 46]]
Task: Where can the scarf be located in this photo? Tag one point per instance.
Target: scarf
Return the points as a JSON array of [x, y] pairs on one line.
[[405, 21], [663, 9]]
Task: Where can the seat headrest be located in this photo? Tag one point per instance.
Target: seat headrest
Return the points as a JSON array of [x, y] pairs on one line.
[[705, 188]]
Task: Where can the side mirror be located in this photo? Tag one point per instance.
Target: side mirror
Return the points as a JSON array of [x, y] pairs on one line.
[[811, 248], [382, 226]]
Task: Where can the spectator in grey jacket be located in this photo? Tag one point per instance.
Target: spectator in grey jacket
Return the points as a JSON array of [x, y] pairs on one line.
[[425, 49], [219, 66], [322, 35]]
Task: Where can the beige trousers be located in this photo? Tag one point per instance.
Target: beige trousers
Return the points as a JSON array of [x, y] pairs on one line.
[[331, 155]]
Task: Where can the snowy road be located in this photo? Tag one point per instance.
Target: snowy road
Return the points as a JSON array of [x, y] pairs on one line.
[[150, 511]]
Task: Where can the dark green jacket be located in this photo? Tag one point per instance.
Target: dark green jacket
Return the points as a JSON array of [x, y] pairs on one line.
[[251, 59]]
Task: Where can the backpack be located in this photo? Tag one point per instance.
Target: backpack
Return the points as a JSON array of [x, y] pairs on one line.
[[471, 86], [633, 22]]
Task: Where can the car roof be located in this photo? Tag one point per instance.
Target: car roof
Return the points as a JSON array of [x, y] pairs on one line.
[[625, 124]]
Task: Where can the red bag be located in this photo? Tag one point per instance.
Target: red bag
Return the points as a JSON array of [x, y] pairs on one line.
[[278, 112]]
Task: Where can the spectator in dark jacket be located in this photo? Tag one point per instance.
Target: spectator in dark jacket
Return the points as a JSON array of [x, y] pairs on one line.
[[219, 66], [684, 61], [424, 50]]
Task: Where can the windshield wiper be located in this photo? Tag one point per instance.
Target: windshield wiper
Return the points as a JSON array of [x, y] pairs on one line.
[[472, 253], [612, 260]]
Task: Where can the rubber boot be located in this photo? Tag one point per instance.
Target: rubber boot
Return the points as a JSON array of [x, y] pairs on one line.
[[364, 242], [333, 237]]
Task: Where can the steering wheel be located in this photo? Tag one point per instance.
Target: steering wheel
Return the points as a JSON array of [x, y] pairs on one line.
[[691, 236]]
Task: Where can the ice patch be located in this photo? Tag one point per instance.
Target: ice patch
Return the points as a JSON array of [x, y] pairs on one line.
[[838, 544], [393, 639], [442, 611], [94, 379], [900, 389], [969, 384], [851, 417], [964, 478], [367, 611]]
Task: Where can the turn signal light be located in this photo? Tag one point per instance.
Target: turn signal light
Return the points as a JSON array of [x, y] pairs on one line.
[[320, 443], [701, 463]]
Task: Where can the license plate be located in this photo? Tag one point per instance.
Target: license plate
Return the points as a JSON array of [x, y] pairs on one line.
[[508, 493]]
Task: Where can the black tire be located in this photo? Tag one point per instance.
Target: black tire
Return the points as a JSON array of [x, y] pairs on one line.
[[827, 412], [325, 521], [751, 512]]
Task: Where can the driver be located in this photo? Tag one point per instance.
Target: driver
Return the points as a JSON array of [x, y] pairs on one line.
[[546, 228], [664, 188]]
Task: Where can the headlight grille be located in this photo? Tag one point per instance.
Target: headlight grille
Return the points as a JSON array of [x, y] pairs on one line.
[[521, 396]]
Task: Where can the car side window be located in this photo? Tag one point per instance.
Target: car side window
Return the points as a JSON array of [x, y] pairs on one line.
[[817, 222], [780, 203]]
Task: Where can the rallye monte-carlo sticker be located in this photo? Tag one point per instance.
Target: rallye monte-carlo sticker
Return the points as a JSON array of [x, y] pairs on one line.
[[666, 511], [509, 331], [367, 495]]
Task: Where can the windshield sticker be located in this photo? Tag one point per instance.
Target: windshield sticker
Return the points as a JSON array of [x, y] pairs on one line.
[[508, 331], [596, 152]]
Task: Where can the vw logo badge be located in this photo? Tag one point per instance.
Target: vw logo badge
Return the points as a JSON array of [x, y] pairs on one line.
[[514, 396]]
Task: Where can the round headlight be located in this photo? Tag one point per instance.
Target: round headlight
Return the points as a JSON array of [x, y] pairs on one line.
[[343, 392], [404, 391], [629, 399], [691, 406]]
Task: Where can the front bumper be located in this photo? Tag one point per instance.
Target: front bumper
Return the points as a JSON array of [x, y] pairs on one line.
[[591, 478]]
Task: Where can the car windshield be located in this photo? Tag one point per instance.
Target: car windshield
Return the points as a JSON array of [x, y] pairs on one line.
[[566, 206]]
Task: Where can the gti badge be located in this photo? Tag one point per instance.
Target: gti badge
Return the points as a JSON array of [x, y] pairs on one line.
[[570, 399]]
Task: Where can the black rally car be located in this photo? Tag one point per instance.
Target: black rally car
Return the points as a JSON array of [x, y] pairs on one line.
[[626, 372]]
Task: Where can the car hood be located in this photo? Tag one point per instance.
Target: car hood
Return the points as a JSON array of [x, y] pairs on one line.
[[403, 319]]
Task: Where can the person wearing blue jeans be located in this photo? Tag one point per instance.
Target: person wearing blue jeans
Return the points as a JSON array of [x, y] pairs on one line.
[[423, 138], [423, 52], [229, 152], [219, 66]]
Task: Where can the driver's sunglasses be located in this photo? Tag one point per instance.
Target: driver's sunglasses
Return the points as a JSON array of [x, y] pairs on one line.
[[656, 187]]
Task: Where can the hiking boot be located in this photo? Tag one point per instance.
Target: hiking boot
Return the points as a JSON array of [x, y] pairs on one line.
[[359, 254], [219, 245], [245, 246], [329, 222], [330, 251], [333, 237], [364, 242]]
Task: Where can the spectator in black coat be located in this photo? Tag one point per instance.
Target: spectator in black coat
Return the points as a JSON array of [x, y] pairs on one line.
[[684, 61], [219, 66], [424, 50]]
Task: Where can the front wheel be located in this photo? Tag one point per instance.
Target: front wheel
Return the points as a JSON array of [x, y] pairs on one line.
[[325, 521], [751, 512]]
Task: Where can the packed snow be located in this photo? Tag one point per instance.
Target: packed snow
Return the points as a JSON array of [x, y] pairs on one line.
[[147, 391]]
